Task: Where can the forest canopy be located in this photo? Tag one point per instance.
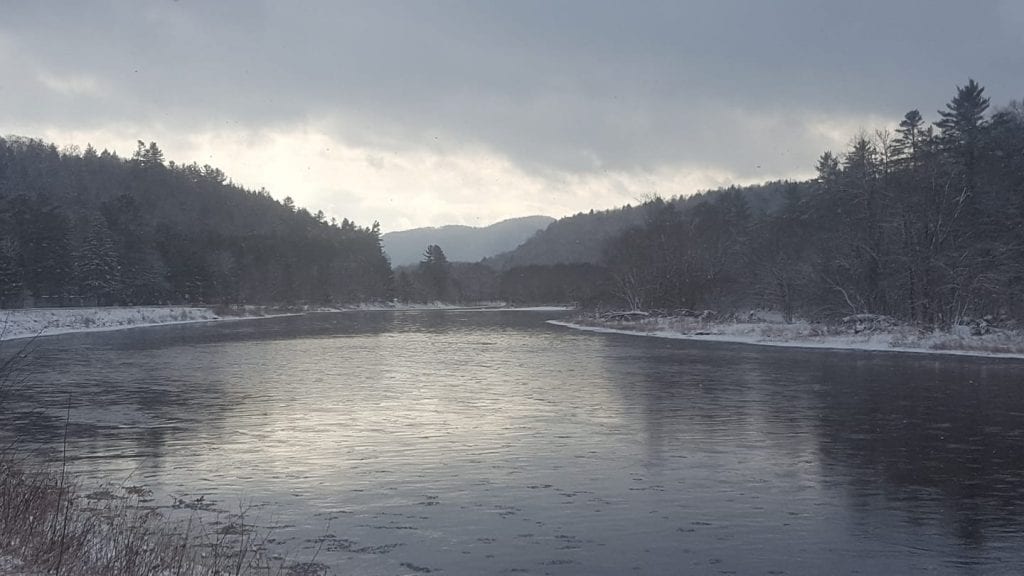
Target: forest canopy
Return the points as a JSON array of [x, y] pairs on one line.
[[924, 224], [88, 227]]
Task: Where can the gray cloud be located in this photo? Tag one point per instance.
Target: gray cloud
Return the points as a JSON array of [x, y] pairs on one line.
[[573, 87]]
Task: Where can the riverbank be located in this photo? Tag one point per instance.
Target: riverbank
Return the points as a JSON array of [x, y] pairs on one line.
[[33, 322], [867, 333], [27, 323], [49, 524]]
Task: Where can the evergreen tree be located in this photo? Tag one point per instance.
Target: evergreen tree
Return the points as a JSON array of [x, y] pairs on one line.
[[98, 268], [435, 270], [961, 126], [860, 165], [910, 136], [827, 169], [964, 116], [148, 156]]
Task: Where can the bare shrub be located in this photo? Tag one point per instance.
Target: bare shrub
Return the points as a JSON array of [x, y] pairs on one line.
[[48, 524]]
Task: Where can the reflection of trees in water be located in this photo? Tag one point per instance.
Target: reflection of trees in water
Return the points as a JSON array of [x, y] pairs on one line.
[[941, 440], [124, 408], [944, 439], [714, 397], [458, 323]]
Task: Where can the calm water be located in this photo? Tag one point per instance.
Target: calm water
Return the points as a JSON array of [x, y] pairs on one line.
[[492, 443]]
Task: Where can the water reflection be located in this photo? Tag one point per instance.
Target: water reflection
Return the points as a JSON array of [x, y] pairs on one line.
[[491, 442], [944, 441], [939, 441]]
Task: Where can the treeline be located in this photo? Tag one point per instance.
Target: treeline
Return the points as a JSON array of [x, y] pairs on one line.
[[88, 227], [581, 238], [573, 239], [435, 279], [925, 224]]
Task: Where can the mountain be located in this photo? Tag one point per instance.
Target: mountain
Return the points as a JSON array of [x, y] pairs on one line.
[[574, 239], [462, 243]]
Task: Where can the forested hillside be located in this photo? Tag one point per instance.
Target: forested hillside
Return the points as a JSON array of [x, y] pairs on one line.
[[567, 262], [574, 239], [925, 224], [582, 238], [95, 228]]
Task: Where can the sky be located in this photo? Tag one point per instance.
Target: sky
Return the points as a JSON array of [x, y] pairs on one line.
[[425, 113]]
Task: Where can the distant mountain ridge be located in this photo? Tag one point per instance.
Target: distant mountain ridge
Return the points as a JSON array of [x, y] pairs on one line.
[[581, 238], [462, 243], [571, 240]]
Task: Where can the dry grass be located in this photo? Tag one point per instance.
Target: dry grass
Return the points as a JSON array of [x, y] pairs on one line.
[[50, 526]]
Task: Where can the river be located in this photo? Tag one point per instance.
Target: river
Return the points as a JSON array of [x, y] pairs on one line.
[[471, 443]]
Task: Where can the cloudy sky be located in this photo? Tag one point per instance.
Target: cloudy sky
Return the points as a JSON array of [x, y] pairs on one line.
[[427, 113]]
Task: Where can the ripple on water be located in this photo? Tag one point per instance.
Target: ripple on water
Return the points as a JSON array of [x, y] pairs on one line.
[[463, 443]]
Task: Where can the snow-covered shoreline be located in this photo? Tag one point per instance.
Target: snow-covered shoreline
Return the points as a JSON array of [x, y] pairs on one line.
[[32, 322], [482, 307], [1005, 344], [28, 323]]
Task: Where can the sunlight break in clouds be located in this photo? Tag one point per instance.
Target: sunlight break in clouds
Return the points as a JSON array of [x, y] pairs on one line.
[[404, 188], [433, 113]]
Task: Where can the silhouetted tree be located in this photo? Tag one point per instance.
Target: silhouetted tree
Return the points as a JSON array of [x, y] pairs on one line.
[[435, 271]]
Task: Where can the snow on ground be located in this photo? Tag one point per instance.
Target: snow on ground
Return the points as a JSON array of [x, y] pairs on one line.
[[998, 343], [520, 309], [49, 321], [375, 306], [480, 306]]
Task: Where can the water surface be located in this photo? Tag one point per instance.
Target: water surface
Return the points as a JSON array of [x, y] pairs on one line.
[[492, 443]]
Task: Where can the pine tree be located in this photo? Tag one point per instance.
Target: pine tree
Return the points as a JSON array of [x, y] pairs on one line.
[[98, 268], [827, 169], [910, 137], [436, 272], [961, 127], [150, 156], [964, 116], [860, 165]]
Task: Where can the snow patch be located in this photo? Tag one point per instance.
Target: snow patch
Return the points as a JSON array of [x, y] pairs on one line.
[[802, 334], [480, 307], [50, 321]]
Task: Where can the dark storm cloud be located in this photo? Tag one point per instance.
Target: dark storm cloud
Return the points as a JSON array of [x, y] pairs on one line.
[[565, 86]]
